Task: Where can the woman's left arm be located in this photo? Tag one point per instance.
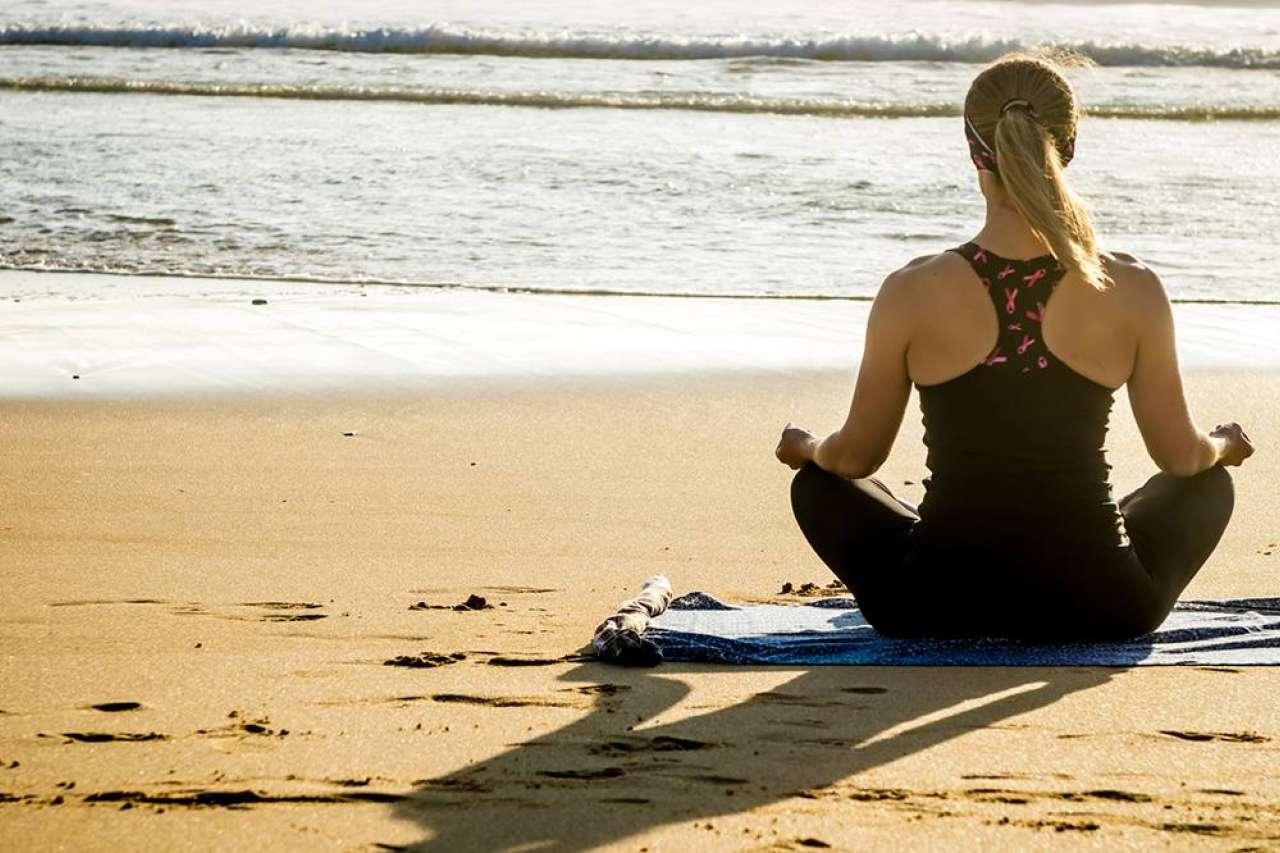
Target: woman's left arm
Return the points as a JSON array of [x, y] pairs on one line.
[[880, 394]]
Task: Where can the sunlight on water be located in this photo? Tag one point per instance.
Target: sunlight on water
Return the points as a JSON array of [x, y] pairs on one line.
[[807, 149]]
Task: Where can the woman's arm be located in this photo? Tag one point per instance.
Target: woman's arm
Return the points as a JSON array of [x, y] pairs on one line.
[[1157, 397], [880, 395]]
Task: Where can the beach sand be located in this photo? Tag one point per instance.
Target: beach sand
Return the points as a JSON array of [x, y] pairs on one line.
[[243, 566]]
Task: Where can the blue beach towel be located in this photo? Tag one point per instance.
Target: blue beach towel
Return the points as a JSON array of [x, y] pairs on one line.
[[700, 628]]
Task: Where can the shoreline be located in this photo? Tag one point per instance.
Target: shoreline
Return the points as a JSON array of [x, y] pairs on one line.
[[529, 290], [91, 336]]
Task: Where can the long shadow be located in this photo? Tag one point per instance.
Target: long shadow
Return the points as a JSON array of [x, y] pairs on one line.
[[597, 781]]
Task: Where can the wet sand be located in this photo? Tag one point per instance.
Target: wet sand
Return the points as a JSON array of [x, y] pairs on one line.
[[203, 592], [103, 337]]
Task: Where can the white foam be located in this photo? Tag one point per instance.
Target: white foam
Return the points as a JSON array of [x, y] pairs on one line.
[[542, 99], [446, 39]]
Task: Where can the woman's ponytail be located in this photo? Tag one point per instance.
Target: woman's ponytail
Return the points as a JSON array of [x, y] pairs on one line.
[[1031, 171]]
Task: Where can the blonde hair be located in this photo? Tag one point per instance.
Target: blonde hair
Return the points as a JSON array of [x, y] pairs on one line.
[[1026, 109]]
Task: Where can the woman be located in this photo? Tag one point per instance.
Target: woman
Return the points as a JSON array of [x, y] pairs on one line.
[[1018, 535]]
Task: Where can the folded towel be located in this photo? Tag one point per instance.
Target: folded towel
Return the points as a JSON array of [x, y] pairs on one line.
[[700, 628]]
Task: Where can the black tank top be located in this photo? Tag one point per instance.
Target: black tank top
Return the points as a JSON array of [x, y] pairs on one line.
[[1015, 445]]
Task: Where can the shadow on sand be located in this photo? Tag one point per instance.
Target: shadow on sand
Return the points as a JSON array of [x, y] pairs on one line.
[[597, 781]]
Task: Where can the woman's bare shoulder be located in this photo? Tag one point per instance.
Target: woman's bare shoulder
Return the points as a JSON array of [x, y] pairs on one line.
[[925, 270], [1134, 283], [915, 283]]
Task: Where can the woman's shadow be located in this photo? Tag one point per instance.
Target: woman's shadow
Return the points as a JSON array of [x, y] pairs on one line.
[[610, 776]]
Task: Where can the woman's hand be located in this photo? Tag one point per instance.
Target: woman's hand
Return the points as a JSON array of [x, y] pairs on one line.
[[796, 447], [1236, 445]]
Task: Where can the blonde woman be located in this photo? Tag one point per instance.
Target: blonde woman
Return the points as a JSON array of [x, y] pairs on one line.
[[1017, 341]]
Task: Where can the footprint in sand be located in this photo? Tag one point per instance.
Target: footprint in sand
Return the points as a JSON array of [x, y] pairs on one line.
[[661, 743], [520, 590], [241, 726], [584, 775], [508, 590], [100, 601], [780, 698], [108, 737], [598, 689], [514, 661], [277, 611], [114, 707], [473, 602], [425, 660], [286, 611], [499, 701], [1226, 737], [239, 799]]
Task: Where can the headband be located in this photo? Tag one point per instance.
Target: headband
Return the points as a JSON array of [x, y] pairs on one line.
[[984, 156]]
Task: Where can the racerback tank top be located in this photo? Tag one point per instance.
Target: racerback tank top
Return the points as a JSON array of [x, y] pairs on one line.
[[1015, 445]]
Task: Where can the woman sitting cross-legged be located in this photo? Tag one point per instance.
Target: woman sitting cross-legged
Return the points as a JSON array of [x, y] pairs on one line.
[[1017, 341]]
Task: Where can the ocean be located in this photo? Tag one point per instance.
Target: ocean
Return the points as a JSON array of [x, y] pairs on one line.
[[778, 148]]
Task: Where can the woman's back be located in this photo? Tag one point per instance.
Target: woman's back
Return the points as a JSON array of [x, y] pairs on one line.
[[1091, 332], [1015, 433]]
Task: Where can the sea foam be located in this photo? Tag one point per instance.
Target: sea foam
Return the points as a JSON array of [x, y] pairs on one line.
[[716, 102], [446, 39]]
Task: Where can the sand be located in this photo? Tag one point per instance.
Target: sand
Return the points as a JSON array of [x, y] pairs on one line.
[[242, 566]]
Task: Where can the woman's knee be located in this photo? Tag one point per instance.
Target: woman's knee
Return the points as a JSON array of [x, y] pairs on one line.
[[1217, 493], [808, 488], [1210, 492], [1218, 480]]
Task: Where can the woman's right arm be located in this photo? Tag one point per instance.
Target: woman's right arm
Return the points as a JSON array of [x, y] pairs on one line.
[[1156, 393]]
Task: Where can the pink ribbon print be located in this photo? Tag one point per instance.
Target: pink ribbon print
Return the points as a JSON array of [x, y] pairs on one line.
[[1020, 338]]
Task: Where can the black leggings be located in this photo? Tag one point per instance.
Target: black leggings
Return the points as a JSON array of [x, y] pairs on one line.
[[864, 535]]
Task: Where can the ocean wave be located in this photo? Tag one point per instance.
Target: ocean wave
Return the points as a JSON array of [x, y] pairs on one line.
[[692, 101], [443, 39]]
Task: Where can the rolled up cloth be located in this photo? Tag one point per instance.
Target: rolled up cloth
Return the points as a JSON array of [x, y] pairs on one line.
[[620, 638]]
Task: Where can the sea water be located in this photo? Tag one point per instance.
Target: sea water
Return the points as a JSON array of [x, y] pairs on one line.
[[782, 147]]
